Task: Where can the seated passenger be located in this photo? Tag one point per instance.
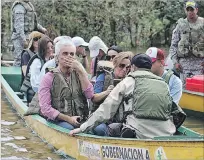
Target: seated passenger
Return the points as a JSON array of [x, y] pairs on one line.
[[112, 52], [80, 51], [79, 43], [174, 83], [98, 51], [64, 91], [150, 104], [31, 82], [109, 74], [30, 51]]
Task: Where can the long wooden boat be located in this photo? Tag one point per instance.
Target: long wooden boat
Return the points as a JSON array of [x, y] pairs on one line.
[[193, 102], [186, 144]]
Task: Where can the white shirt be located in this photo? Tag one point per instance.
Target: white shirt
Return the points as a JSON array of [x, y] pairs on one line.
[[49, 64], [175, 87], [35, 74]]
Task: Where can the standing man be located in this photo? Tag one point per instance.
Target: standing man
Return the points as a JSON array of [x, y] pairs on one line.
[[80, 51], [23, 22], [174, 83], [187, 45]]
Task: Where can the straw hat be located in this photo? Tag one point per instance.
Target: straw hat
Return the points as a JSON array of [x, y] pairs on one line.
[[32, 35]]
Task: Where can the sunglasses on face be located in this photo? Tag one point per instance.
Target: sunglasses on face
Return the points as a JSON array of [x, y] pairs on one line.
[[36, 39], [108, 58], [124, 66]]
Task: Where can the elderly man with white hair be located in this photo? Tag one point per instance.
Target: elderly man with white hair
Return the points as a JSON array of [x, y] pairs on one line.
[[80, 53], [64, 91]]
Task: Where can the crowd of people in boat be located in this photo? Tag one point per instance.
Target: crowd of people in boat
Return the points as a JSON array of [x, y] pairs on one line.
[[127, 94]]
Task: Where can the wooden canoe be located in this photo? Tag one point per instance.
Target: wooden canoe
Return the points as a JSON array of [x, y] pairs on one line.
[[192, 102], [187, 144]]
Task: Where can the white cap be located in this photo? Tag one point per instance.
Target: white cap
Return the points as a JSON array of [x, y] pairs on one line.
[[155, 54], [95, 44], [152, 52], [78, 41]]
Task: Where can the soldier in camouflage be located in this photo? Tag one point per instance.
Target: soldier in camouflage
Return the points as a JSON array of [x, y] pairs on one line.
[[187, 45], [23, 22]]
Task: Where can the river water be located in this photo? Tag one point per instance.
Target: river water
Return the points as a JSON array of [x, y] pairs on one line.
[[19, 142]]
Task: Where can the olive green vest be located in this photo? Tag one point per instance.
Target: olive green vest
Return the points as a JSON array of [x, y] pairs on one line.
[[192, 38], [151, 97], [67, 95], [30, 17]]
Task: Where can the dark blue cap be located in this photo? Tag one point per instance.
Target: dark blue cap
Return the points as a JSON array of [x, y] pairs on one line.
[[142, 60]]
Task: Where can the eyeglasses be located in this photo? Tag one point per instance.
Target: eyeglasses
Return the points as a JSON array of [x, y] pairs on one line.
[[124, 66], [108, 58], [36, 39]]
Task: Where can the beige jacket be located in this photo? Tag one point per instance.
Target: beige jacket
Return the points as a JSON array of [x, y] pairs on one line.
[[144, 128]]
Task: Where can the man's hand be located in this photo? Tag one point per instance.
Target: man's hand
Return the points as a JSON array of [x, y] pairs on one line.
[[74, 131], [178, 67], [77, 66], [67, 61], [109, 89], [73, 121]]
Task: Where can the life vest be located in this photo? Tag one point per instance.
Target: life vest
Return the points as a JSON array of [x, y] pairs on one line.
[[67, 95], [192, 38], [151, 97], [31, 54], [106, 68], [152, 100], [30, 17], [26, 86], [96, 64]]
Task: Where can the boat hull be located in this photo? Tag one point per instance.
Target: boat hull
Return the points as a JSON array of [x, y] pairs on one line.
[[192, 103], [84, 146]]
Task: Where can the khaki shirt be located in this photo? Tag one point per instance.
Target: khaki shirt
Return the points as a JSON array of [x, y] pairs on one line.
[[144, 128]]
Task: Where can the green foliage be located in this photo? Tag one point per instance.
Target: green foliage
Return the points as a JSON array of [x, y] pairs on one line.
[[128, 23]]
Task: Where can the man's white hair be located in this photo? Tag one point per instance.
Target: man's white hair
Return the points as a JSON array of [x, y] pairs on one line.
[[66, 41], [59, 38]]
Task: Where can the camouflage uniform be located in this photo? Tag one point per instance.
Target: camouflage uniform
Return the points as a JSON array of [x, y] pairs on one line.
[[190, 62], [23, 22]]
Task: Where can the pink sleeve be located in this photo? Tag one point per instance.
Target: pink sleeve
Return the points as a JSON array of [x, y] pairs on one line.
[[89, 92], [45, 97]]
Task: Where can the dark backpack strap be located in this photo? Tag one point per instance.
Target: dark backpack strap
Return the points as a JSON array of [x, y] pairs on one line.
[[31, 61], [95, 65]]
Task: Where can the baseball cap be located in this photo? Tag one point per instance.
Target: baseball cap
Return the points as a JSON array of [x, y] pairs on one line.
[[155, 54], [95, 44], [78, 41], [191, 4], [142, 60]]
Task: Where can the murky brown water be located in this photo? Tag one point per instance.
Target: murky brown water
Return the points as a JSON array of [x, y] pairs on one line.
[[18, 141]]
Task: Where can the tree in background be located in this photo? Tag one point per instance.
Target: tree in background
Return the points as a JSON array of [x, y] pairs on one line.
[[128, 23]]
